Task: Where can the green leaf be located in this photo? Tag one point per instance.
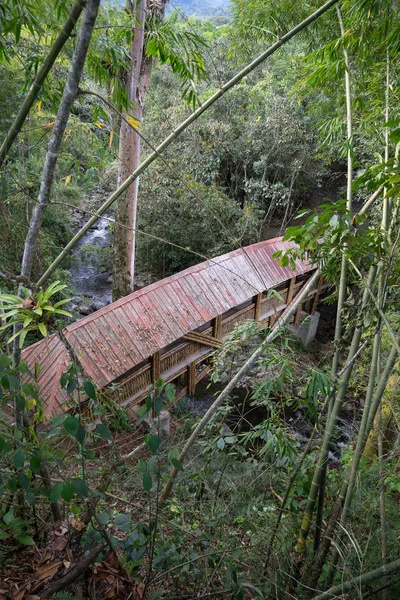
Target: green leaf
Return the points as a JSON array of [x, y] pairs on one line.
[[9, 517], [153, 443], [18, 459], [71, 425], [3, 535], [23, 481], [103, 517], [72, 385], [5, 446], [90, 389], [221, 443], [35, 463], [158, 404], [64, 380], [20, 402], [80, 487], [147, 482], [178, 466], [103, 432], [26, 540], [173, 454], [80, 435], [30, 498], [56, 492], [122, 522], [67, 492]]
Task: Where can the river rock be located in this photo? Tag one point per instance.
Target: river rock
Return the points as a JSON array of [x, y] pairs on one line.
[[109, 279], [96, 306]]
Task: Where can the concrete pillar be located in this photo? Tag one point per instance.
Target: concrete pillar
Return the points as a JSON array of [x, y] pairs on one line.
[[306, 329]]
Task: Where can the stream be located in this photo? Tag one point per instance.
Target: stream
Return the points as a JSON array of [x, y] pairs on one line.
[[92, 284]]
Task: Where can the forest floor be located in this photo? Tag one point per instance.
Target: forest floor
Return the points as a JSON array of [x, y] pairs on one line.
[[26, 573]]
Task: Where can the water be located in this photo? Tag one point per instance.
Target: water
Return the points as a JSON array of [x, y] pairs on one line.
[[87, 277]]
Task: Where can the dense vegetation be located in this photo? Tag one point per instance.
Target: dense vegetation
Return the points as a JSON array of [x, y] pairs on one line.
[[293, 486]]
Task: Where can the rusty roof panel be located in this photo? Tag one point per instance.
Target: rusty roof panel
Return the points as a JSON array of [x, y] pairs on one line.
[[52, 358], [113, 340]]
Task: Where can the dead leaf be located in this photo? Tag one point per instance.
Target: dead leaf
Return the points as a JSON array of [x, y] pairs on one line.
[[28, 302], [140, 589], [60, 543], [77, 524], [19, 595], [69, 554], [47, 571]]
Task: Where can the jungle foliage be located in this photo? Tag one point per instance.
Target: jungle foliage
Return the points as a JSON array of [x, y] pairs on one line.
[[290, 488]]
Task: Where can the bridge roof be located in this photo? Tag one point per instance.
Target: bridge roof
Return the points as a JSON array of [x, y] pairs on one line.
[[116, 338]]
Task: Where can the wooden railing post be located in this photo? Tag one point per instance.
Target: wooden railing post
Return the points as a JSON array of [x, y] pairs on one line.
[[191, 372], [217, 327], [155, 367], [257, 306]]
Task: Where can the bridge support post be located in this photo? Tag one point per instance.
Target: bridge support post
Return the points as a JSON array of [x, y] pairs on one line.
[[307, 329], [191, 374], [316, 296]]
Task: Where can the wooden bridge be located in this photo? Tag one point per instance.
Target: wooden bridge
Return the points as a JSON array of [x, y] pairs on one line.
[[169, 329]]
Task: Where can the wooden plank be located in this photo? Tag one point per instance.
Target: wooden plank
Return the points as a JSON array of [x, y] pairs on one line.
[[195, 336], [191, 374], [217, 327], [257, 306], [155, 367], [291, 290], [316, 296]]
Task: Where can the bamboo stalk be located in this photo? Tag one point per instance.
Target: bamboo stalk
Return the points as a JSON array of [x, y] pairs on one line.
[[349, 196], [328, 434], [182, 127], [365, 427], [356, 582]]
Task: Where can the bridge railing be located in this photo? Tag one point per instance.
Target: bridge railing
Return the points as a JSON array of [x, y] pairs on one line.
[[186, 361]]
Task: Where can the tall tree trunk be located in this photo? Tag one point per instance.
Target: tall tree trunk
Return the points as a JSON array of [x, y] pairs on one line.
[[40, 77], [129, 160], [64, 111]]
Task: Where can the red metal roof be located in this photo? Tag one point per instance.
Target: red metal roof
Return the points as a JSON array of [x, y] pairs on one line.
[[113, 340]]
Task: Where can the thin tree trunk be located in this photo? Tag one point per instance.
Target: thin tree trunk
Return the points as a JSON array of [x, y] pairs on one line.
[[182, 127], [41, 75], [69, 95], [129, 161], [224, 395]]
